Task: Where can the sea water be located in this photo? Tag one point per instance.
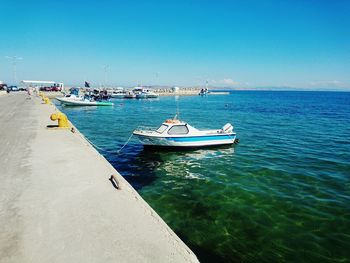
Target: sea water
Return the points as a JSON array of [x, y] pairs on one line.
[[281, 195]]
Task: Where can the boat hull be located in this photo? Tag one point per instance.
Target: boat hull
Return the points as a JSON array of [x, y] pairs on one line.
[[146, 96], [187, 142], [84, 103], [118, 96]]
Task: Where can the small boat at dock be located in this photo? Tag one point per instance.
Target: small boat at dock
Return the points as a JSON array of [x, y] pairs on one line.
[[176, 133], [146, 94], [118, 93], [83, 102], [129, 95], [143, 93], [74, 99]]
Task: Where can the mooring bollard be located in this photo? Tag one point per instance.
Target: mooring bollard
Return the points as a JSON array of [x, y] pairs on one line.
[[62, 119], [46, 100]]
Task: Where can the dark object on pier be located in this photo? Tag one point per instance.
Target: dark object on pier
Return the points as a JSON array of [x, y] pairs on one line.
[[114, 182]]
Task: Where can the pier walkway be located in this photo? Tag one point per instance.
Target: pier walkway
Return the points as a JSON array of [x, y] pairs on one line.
[[57, 204]]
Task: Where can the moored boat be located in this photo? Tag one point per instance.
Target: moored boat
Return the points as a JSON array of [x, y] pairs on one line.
[[176, 133], [73, 99], [118, 93], [147, 94], [129, 95], [84, 102]]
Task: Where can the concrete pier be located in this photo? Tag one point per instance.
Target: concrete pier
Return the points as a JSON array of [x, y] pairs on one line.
[[57, 203]]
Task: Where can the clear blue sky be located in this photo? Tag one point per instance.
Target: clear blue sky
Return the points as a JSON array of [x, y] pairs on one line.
[[231, 43]]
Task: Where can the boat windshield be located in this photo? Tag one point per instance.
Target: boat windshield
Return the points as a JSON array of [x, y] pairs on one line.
[[162, 128], [178, 129]]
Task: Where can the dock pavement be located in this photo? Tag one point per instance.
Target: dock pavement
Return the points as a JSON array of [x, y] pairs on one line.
[[57, 203]]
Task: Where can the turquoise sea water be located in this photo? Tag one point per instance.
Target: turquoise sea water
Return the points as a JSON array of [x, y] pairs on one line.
[[281, 195]]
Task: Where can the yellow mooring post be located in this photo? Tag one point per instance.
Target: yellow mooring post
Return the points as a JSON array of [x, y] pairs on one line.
[[62, 119], [47, 100]]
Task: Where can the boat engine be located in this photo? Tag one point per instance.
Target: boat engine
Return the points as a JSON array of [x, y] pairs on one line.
[[227, 128]]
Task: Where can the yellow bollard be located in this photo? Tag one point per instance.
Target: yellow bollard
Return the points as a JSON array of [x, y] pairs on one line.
[[47, 100], [62, 119]]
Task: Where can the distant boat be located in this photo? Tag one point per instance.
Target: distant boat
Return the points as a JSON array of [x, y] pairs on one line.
[[73, 95], [129, 95], [204, 91], [176, 133], [147, 94], [118, 94], [74, 99], [83, 102]]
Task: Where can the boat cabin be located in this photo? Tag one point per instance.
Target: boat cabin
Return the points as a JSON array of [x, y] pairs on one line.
[[174, 127]]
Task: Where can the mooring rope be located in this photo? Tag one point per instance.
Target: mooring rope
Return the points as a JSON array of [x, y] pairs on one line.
[[94, 145], [125, 143], [104, 150]]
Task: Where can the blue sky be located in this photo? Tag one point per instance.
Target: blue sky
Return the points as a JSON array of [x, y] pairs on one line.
[[304, 44]]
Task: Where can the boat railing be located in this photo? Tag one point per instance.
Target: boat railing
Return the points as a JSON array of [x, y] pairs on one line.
[[146, 128]]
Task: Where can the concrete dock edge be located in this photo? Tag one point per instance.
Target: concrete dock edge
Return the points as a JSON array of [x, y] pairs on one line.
[[57, 203]]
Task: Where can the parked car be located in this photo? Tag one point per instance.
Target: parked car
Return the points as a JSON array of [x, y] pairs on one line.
[[3, 86], [52, 88], [13, 88]]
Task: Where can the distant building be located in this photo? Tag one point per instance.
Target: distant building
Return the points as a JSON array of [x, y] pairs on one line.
[[175, 89]]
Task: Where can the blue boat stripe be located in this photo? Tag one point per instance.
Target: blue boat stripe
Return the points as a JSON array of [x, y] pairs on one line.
[[201, 138]]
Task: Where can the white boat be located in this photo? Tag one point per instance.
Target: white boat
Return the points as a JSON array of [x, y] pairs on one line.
[[83, 102], [204, 91], [70, 97], [176, 133], [118, 95], [129, 95], [146, 94]]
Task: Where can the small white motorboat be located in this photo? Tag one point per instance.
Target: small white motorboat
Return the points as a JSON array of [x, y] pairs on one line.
[[129, 95], [70, 97], [118, 93], [74, 100], [176, 133], [146, 94], [84, 102]]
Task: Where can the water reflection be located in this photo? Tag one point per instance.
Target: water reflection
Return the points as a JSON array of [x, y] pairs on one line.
[[148, 165]]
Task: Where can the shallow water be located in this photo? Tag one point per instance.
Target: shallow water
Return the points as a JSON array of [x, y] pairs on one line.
[[282, 194]]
